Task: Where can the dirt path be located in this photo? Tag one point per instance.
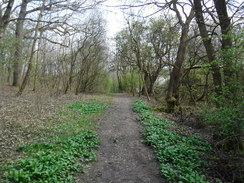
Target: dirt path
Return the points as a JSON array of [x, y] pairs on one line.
[[122, 158]]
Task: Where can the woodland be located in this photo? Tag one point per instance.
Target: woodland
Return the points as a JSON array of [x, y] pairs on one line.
[[183, 57]]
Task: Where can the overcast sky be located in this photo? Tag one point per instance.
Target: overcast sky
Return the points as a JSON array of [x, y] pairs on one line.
[[114, 17]]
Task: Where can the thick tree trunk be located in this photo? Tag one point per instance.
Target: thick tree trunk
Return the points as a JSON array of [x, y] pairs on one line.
[[225, 25], [172, 97], [209, 47], [18, 45]]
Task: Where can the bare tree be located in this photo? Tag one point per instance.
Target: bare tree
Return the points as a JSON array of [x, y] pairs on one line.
[[4, 18], [92, 55], [55, 23], [33, 47]]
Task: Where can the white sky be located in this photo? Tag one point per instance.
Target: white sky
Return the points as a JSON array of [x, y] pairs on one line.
[[114, 17]]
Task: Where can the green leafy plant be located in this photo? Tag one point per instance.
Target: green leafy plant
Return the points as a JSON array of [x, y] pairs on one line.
[[55, 158], [180, 157], [53, 167], [87, 108], [139, 106]]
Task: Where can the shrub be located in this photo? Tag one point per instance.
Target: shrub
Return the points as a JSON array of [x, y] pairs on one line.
[[229, 122]]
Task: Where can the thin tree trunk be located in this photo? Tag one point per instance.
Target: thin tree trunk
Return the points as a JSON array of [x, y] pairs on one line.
[[30, 62], [132, 81], [70, 79], [144, 86], [9, 75], [140, 85], [35, 76], [37, 60], [4, 20]]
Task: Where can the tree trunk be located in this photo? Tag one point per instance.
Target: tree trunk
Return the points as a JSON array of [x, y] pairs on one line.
[[172, 97], [150, 80], [4, 20], [18, 45], [30, 62], [70, 79], [144, 86], [146, 82], [37, 60], [227, 56], [209, 47]]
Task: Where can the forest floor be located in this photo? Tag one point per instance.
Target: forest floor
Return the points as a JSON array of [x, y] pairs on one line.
[[121, 158], [24, 119]]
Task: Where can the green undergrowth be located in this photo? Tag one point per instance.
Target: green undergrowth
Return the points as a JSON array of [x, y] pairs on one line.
[[87, 108], [57, 156], [180, 157]]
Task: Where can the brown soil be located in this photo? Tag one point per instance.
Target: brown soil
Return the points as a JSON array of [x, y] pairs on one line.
[[23, 119], [122, 157]]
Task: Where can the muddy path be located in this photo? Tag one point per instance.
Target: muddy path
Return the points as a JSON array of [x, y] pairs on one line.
[[122, 157]]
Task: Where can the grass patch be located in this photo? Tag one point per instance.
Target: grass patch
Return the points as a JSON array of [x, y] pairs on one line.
[[56, 155], [179, 157]]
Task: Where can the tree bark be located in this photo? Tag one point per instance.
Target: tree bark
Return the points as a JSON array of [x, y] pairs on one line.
[[37, 62], [70, 79], [209, 47], [18, 45], [144, 85], [172, 97], [30, 62], [225, 25], [72, 65], [150, 80], [4, 20]]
